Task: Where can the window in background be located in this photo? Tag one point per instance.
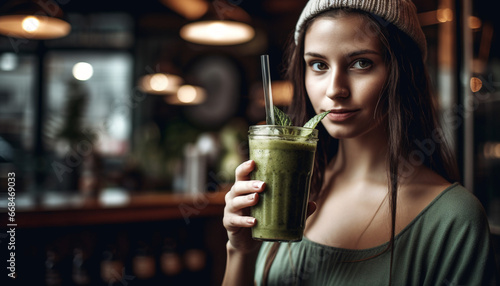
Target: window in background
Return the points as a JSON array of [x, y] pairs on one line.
[[87, 122], [16, 100], [17, 108], [88, 99]]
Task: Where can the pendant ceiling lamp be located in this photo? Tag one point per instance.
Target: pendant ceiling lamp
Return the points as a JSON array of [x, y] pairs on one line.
[[160, 83], [189, 9], [168, 82], [166, 79], [187, 95], [37, 20], [223, 24]]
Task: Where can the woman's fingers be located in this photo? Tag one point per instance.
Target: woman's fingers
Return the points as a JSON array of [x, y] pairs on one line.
[[243, 171], [238, 203], [235, 222], [243, 193], [244, 188]]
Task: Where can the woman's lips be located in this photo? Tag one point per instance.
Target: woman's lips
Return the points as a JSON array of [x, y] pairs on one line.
[[341, 114]]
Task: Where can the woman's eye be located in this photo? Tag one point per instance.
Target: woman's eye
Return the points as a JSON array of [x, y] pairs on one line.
[[362, 64], [318, 66]]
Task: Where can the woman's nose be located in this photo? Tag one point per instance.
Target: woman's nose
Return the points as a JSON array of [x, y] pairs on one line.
[[337, 87]]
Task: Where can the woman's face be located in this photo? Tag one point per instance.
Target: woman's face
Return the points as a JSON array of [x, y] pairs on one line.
[[345, 73]]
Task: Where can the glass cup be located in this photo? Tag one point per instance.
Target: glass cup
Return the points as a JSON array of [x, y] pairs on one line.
[[284, 157]]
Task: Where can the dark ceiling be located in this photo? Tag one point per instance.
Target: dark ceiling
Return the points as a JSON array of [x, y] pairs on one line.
[[253, 7], [276, 17]]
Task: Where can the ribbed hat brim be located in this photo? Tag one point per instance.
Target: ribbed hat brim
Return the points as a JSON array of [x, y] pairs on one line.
[[401, 13]]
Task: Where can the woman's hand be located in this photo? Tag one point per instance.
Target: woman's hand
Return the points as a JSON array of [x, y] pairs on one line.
[[237, 219]]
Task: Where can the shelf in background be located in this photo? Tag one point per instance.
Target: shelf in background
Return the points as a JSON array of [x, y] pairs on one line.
[[138, 208]]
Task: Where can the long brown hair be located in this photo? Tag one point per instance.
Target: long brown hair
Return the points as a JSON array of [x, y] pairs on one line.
[[406, 99]]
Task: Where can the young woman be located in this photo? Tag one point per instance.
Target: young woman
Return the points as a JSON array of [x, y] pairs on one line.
[[387, 209]]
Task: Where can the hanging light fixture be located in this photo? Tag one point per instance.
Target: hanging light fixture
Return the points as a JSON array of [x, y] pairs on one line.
[[164, 80], [189, 9], [160, 83], [33, 20], [187, 95], [223, 24]]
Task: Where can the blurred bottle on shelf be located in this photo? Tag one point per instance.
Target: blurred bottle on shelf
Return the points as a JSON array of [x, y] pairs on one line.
[[195, 257], [195, 261], [144, 265], [53, 271], [194, 169], [112, 268], [90, 180], [171, 263], [80, 272]]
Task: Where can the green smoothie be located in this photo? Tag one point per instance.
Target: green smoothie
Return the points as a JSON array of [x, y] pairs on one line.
[[284, 158]]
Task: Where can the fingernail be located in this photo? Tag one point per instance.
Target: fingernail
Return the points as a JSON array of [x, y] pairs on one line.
[[258, 185], [248, 162], [251, 220], [251, 197]]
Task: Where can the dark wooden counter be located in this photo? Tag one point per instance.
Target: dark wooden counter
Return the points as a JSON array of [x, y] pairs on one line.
[[141, 207]]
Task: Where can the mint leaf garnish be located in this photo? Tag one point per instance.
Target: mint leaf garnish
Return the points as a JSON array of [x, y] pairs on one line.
[[315, 120], [281, 118]]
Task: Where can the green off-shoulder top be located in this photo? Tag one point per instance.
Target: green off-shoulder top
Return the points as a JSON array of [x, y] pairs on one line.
[[448, 243]]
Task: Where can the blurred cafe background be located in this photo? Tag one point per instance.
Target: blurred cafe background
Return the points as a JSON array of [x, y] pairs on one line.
[[122, 123]]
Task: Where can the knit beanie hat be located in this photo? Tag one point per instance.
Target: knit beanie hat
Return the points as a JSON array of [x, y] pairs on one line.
[[401, 13]]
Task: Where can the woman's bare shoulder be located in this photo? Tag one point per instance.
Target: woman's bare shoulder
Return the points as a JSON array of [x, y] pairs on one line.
[[425, 184], [417, 192]]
